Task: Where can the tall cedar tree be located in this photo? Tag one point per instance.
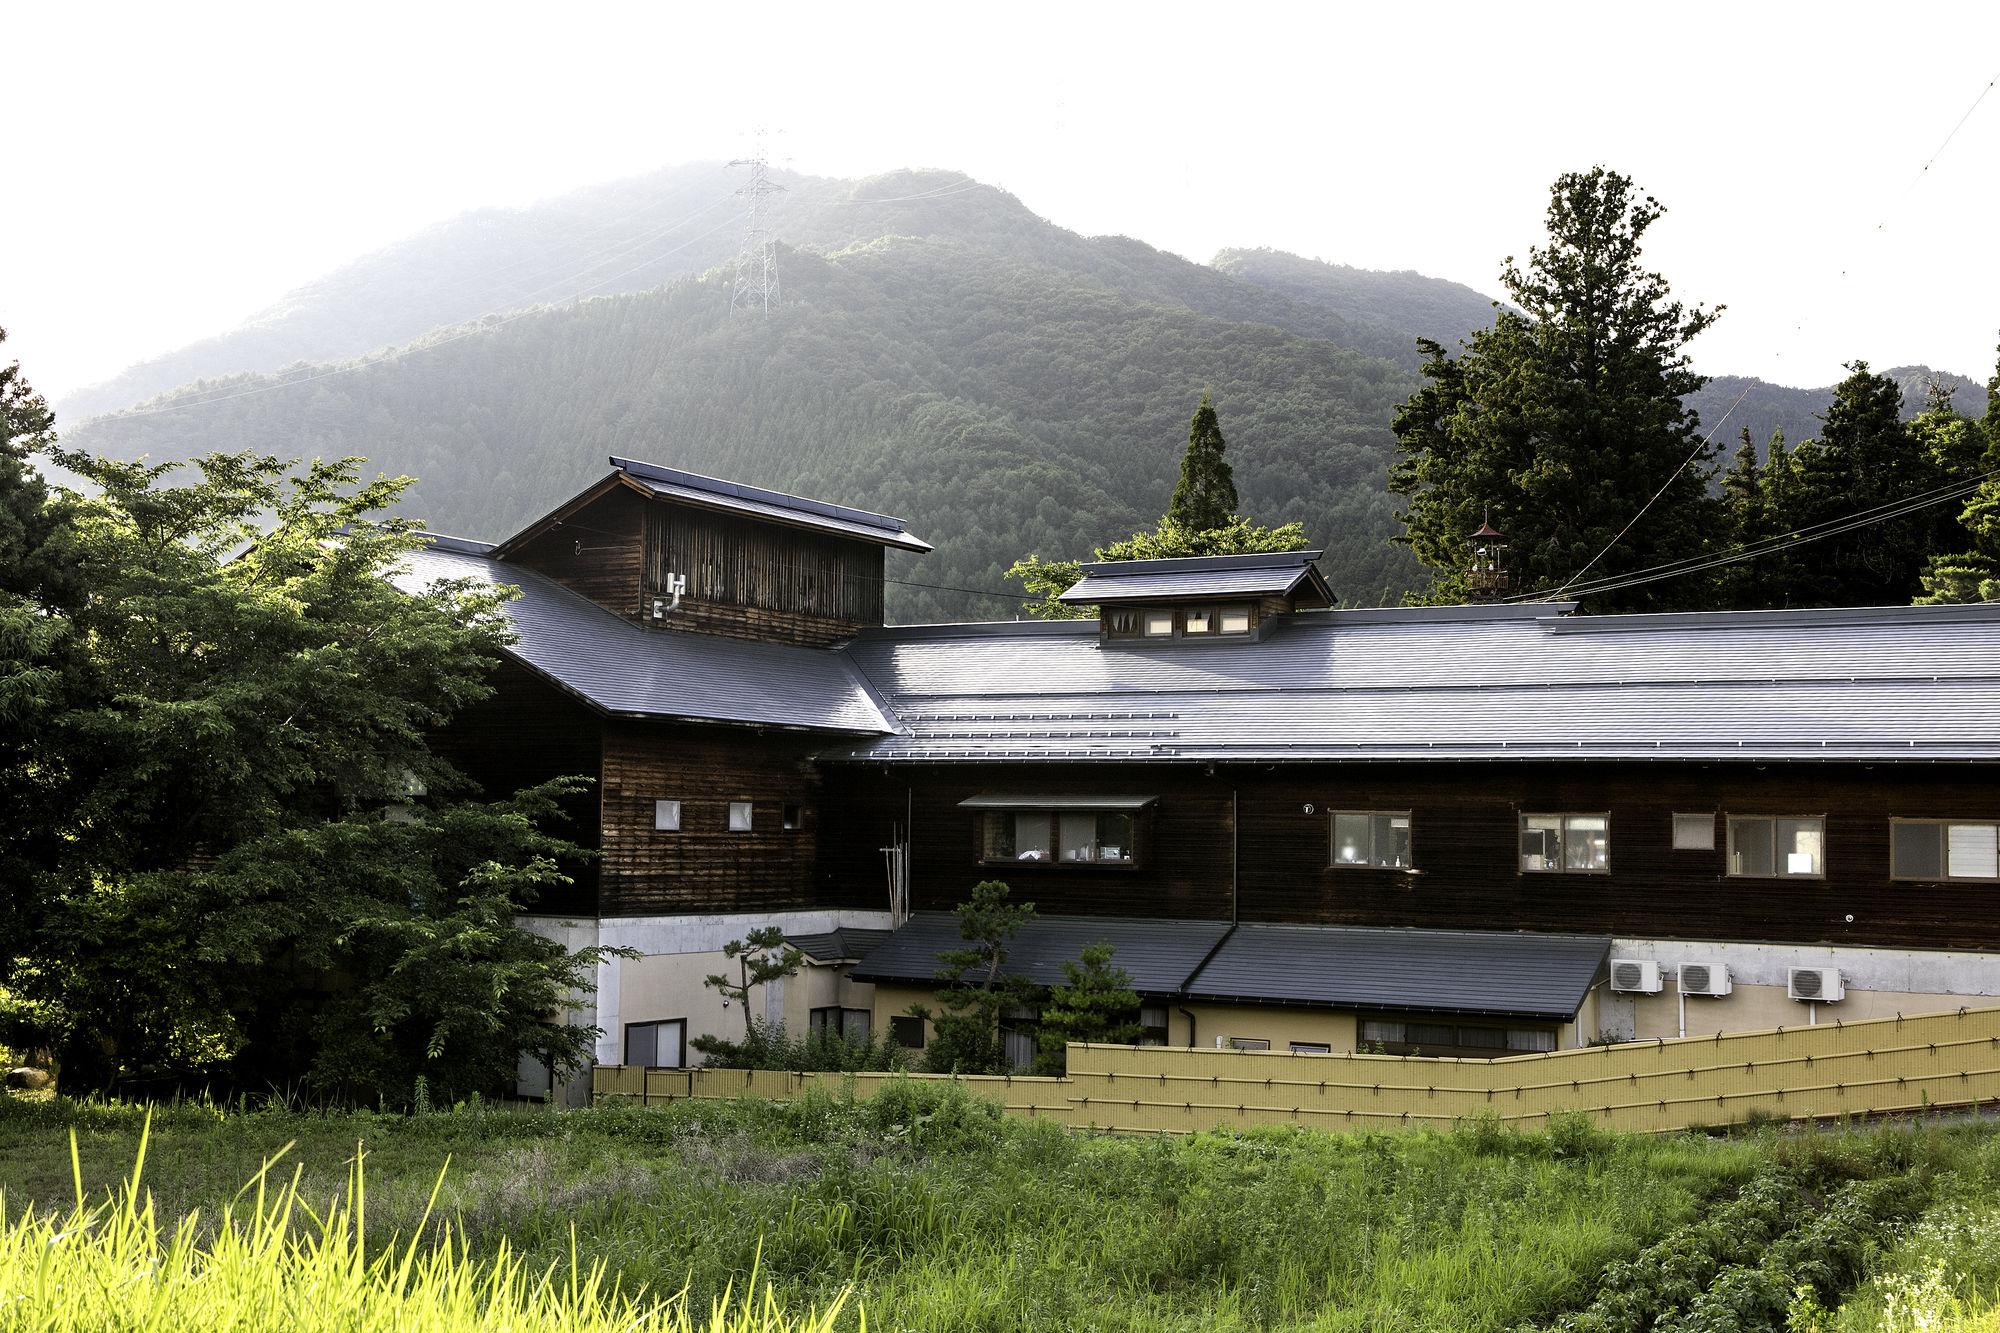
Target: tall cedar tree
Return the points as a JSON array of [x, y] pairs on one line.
[[1200, 520], [1745, 520], [252, 887], [1866, 455], [1566, 415], [42, 666], [1205, 496]]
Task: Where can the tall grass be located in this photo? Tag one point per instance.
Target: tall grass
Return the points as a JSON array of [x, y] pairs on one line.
[[272, 1261]]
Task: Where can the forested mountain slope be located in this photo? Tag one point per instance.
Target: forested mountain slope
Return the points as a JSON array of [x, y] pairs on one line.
[[1002, 405], [636, 234], [1768, 407], [1431, 307]]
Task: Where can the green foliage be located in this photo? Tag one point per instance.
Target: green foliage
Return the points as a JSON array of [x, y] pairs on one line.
[[1048, 579], [1971, 574], [1565, 415], [976, 995], [1095, 1002], [770, 1046], [761, 957], [244, 881], [1205, 496]]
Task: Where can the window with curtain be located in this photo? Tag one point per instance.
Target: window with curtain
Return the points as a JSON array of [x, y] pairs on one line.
[[1067, 837], [1772, 848], [1371, 838], [1944, 849], [1566, 844]]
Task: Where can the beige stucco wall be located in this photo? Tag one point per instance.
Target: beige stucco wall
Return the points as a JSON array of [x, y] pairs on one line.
[[659, 987], [1749, 1008]]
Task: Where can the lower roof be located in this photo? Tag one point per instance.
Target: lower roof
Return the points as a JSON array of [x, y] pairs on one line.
[[1344, 967]]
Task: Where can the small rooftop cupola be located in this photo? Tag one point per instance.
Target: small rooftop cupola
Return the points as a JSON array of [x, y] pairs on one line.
[[1486, 571], [1199, 599]]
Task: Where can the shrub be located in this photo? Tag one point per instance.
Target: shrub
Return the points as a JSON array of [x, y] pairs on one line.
[[771, 1046]]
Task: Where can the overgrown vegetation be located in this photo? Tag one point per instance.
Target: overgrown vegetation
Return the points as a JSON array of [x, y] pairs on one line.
[[942, 1215]]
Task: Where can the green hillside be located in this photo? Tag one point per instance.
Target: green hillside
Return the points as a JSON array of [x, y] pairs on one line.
[[1002, 405], [636, 234]]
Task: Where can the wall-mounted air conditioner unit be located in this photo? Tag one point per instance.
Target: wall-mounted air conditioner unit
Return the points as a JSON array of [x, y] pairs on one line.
[[1822, 984], [1705, 979], [1635, 976]]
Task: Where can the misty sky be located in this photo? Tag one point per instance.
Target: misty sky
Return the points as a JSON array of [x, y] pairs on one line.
[[174, 168]]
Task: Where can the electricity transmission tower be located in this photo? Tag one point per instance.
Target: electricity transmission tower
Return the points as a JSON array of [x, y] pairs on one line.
[[757, 262]]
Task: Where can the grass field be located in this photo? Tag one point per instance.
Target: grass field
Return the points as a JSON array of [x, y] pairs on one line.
[[930, 1212]]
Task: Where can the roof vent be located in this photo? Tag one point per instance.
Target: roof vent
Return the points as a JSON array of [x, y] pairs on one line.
[[1820, 984], [1705, 979], [1635, 976]]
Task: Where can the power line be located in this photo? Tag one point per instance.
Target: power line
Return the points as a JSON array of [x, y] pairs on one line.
[[1699, 449], [757, 263], [1798, 537], [1928, 162]]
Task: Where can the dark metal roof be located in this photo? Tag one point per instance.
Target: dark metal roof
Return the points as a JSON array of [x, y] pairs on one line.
[[1353, 967], [756, 502], [620, 668], [1269, 573], [1055, 801], [1513, 682], [843, 944], [1157, 954]]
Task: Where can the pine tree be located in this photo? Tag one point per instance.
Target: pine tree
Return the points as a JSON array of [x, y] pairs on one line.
[[1567, 415], [1205, 496], [1745, 518], [1973, 574]]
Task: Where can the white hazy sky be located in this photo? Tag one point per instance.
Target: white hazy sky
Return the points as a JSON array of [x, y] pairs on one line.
[[173, 168]]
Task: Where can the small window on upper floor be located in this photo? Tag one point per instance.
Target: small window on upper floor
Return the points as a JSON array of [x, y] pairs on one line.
[[1566, 844], [1371, 838], [795, 817], [667, 816], [1761, 848], [740, 816], [1694, 833], [1233, 620], [1944, 849], [1198, 622], [1121, 623], [1069, 837], [1159, 624]]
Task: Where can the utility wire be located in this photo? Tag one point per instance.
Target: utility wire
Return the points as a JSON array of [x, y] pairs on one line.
[[1932, 159], [1699, 450], [1798, 537]]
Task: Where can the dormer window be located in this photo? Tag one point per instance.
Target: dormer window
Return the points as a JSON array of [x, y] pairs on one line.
[[1200, 598]]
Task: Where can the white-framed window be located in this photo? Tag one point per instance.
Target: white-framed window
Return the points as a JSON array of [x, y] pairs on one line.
[[1767, 847], [1694, 833], [1233, 620], [741, 816], [1249, 1043], [1566, 844], [1067, 837], [1312, 1048], [1371, 838], [1159, 624], [667, 816], [1938, 849], [657, 1045]]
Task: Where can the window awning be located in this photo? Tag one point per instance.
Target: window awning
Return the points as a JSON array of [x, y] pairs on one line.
[[1063, 801]]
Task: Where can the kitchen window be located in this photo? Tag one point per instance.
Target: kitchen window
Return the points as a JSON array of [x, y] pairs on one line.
[[1937, 849], [1566, 844], [1371, 838], [1065, 837], [1761, 848]]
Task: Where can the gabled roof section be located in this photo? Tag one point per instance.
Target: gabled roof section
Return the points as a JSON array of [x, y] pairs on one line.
[[620, 669], [771, 506], [1513, 682], [1272, 573], [1446, 971], [842, 944]]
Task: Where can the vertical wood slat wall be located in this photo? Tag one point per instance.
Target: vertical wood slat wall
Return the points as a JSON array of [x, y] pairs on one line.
[[1872, 1067], [759, 580]]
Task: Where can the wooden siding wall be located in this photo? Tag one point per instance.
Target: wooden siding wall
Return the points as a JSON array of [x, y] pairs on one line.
[[525, 733], [705, 867], [1464, 841], [1183, 838], [597, 551], [761, 580]]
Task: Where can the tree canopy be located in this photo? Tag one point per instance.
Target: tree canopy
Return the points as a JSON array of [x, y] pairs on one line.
[[256, 874], [1565, 416]]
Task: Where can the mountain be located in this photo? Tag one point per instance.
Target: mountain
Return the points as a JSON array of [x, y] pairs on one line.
[[637, 234], [1444, 312], [1002, 404], [1767, 407]]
